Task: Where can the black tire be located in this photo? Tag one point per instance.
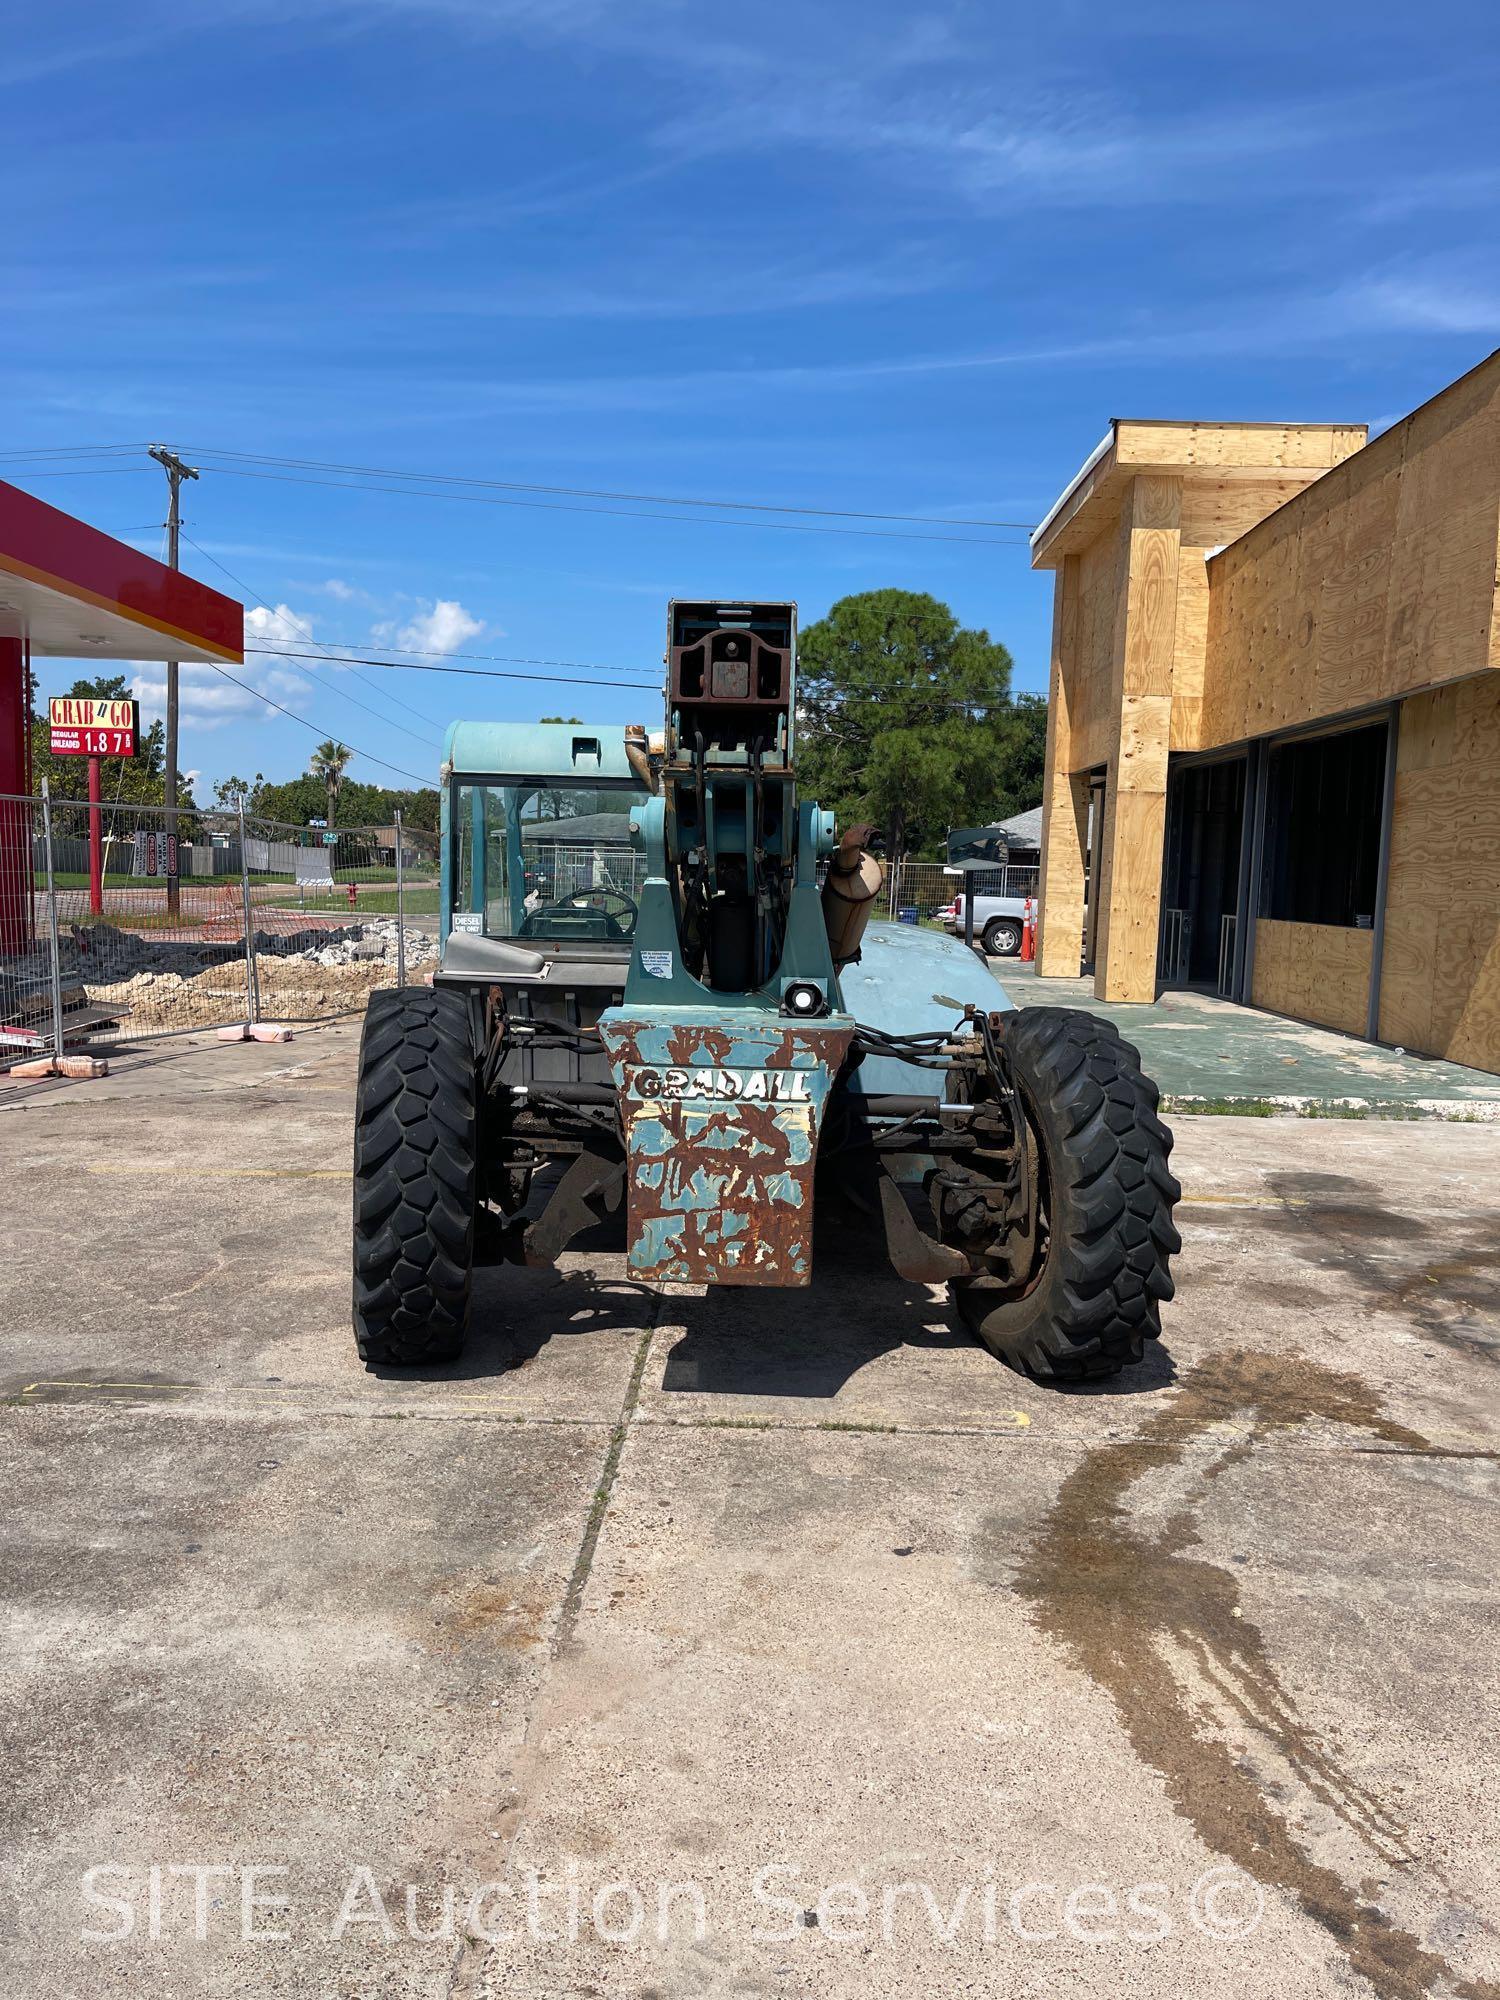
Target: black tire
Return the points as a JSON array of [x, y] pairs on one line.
[[1001, 937], [1102, 1156], [415, 1147]]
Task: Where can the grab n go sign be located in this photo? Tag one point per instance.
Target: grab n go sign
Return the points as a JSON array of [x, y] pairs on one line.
[[84, 726]]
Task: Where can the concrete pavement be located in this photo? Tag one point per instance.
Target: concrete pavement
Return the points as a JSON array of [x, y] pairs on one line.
[[1206, 1053], [777, 1644]]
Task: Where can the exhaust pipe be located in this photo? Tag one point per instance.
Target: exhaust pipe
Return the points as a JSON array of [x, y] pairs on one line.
[[638, 756], [855, 878]]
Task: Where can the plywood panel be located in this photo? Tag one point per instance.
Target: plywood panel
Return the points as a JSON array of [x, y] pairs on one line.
[[1230, 446], [1406, 978], [1127, 957], [1091, 675], [1151, 601], [1377, 580], [1440, 980], [1064, 798], [1475, 1038], [1314, 972], [1216, 511], [1476, 720], [1059, 950], [1145, 722], [1427, 733]]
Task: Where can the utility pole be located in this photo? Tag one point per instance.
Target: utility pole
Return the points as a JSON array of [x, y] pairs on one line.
[[176, 472]]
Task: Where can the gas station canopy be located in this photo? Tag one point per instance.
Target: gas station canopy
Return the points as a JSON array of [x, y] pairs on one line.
[[67, 589]]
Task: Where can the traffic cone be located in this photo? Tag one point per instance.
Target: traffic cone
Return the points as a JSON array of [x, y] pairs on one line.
[[1028, 934]]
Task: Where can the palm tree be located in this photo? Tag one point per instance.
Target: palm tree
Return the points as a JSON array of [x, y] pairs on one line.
[[328, 763]]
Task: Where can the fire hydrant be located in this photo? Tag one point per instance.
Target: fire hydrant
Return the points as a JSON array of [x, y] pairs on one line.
[[353, 894]]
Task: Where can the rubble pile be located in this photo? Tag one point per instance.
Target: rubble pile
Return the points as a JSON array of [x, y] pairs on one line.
[[170, 980]]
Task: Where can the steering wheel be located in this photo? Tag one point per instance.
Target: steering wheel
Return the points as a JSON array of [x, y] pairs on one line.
[[604, 901]]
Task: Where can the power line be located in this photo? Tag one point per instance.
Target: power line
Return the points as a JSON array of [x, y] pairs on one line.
[[970, 707], [348, 648], [75, 472], [473, 673], [316, 728], [343, 693], [71, 450], [605, 493], [613, 513], [499, 659], [427, 483]]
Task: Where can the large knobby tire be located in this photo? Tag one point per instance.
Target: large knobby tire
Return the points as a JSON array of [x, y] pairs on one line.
[[415, 1147], [1107, 1196]]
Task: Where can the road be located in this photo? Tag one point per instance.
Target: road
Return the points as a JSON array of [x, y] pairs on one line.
[[740, 1644]]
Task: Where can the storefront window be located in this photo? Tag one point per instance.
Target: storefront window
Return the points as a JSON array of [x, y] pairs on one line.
[[1323, 797]]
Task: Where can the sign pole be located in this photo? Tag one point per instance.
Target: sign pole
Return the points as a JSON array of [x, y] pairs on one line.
[[52, 938], [252, 976], [96, 844], [400, 908]]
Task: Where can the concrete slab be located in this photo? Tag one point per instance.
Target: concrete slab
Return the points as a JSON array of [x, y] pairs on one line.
[[212, 1254], [1384, 1258], [1204, 1052], [802, 1580], [805, 1661], [262, 1638]]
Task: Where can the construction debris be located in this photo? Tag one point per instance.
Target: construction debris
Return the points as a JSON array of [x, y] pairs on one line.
[[79, 1068], [165, 978]]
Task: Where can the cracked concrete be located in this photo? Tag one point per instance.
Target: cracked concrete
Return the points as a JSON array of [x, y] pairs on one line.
[[901, 1673]]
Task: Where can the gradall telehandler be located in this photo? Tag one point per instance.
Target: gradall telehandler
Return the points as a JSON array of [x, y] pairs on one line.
[[659, 990]]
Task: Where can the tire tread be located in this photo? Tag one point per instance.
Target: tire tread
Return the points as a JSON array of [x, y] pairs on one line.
[[415, 1149], [1112, 1234]]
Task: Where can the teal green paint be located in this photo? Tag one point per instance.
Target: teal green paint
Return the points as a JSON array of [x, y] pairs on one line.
[[479, 853], [515, 865], [493, 751], [1200, 1048]]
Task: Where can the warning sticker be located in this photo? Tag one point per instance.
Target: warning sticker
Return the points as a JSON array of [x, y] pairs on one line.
[[656, 964]]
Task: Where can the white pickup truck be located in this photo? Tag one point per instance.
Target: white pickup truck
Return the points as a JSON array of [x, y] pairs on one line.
[[997, 922]]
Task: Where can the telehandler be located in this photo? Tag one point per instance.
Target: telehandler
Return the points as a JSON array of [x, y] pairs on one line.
[[660, 993]]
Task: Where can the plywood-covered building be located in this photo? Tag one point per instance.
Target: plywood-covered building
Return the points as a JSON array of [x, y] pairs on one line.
[[1276, 678]]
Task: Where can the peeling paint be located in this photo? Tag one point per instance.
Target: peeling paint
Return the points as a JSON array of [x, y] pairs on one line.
[[721, 1134]]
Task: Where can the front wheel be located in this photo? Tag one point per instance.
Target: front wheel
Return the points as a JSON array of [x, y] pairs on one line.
[[1001, 937], [1104, 1196], [415, 1149]]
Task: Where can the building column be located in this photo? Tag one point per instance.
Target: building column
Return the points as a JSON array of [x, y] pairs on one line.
[[1135, 812], [1065, 802]]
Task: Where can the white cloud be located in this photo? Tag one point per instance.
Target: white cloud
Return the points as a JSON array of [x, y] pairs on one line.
[[1435, 303], [207, 699], [336, 587], [442, 629], [279, 627]]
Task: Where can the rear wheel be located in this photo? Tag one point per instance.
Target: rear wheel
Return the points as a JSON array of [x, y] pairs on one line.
[[1001, 937], [1104, 1196], [415, 1146]]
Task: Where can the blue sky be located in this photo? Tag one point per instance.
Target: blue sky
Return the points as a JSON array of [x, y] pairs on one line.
[[865, 257]]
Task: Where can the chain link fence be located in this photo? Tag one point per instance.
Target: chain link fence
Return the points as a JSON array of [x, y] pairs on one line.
[[121, 924], [916, 891]]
